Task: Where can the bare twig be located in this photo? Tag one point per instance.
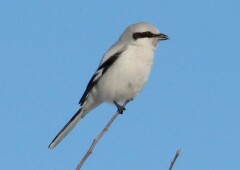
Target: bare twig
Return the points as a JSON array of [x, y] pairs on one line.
[[95, 141], [175, 158]]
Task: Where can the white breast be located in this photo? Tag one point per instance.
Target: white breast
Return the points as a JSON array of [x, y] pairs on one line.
[[127, 76]]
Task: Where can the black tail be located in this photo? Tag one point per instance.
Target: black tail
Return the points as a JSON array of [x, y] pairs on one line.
[[66, 129]]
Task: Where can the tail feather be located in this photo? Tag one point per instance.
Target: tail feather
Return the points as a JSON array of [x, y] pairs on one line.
[[67, 128]]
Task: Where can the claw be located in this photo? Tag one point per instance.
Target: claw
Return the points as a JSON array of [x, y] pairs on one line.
[[119, 107]]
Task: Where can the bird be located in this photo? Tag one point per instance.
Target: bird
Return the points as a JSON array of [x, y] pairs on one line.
[[121, 75]]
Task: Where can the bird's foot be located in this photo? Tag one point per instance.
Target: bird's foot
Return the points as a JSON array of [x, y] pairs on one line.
[[119, 107]]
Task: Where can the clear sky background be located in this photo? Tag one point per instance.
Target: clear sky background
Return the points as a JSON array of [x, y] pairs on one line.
[[49, 51]]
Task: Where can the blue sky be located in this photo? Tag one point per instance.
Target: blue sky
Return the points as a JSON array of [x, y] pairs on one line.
[[50, 49]]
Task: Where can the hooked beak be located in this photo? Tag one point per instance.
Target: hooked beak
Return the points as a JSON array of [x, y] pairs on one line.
[[162, 37]]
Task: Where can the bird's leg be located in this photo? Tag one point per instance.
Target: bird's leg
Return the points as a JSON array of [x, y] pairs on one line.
[[119, 107], [129, 100]]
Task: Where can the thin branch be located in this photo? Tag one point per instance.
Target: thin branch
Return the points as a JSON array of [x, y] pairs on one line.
[[174, 159], [95, 141]]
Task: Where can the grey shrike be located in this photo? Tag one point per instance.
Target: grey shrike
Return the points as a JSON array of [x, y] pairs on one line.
[[122, 73]]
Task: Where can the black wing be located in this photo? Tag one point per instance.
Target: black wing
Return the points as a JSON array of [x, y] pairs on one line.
[[99, 73]]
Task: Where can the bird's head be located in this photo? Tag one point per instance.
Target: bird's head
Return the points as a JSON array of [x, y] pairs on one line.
[[142, 34]]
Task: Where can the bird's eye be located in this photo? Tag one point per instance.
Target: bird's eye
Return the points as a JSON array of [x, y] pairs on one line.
[[148, 34]]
